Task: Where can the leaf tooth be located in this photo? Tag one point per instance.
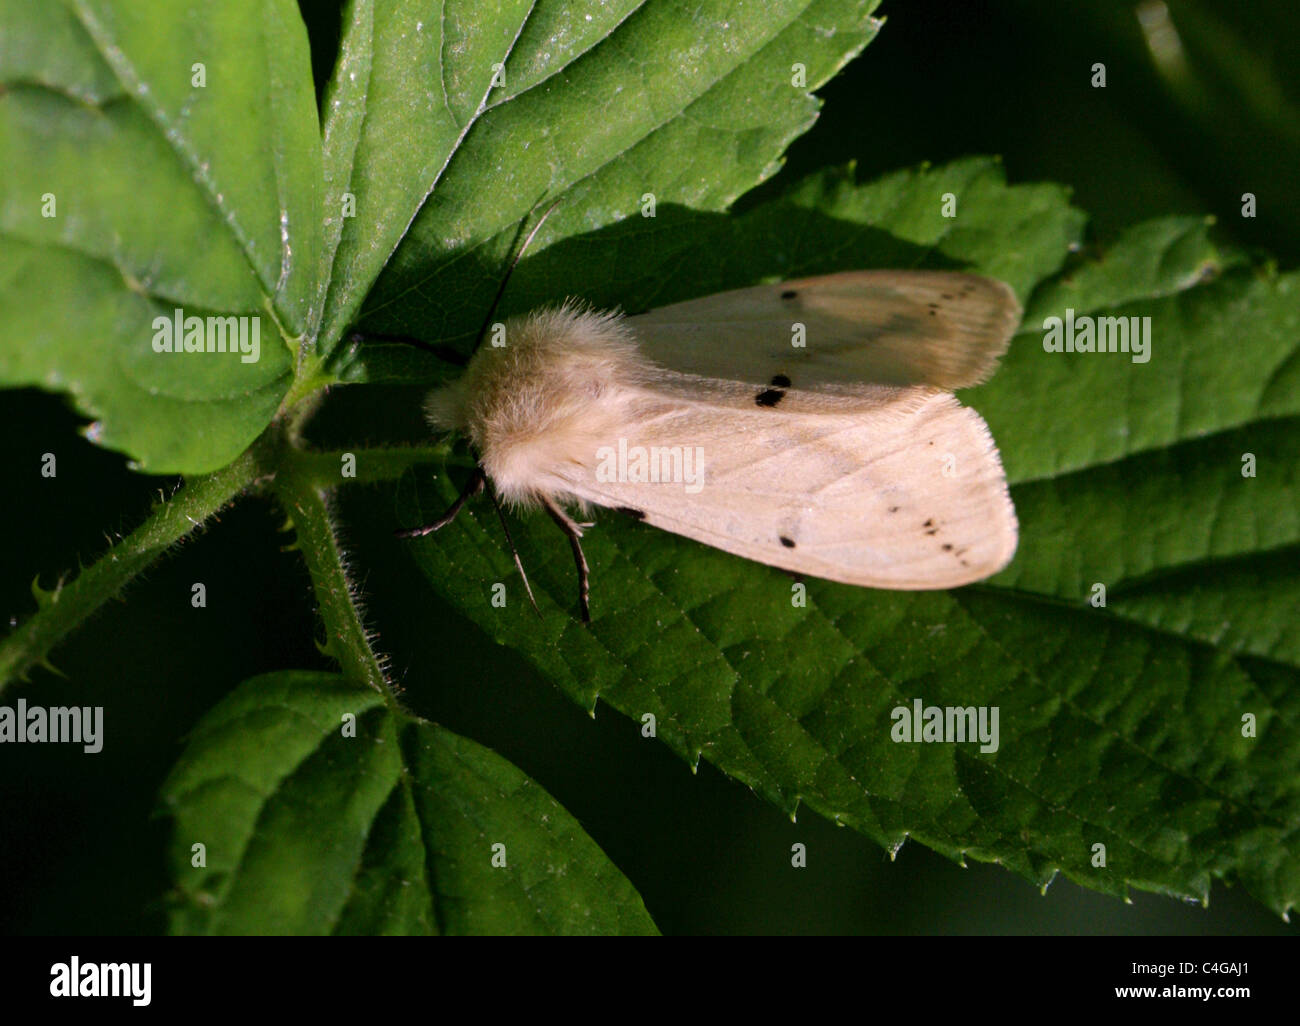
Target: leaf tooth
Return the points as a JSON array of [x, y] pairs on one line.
[[957, 856], [894, 847]]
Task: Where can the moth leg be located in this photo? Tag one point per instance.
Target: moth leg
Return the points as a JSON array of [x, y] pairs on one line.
[[574, 532], [519, 563], [472, 487]]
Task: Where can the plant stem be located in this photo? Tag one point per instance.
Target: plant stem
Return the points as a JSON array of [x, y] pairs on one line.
[[308, 504], [66, 607], [301, 479], [373, 465]]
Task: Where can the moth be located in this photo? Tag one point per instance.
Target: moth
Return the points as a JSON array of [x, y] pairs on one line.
[[809, 425]]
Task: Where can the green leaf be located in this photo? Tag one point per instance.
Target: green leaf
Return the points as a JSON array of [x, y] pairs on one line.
[[1203, 376], [1131, 474], [596, 108], [392, 830], [1120, 726], [128, 185]]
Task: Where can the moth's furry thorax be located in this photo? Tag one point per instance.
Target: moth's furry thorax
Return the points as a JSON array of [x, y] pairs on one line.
[[545, 400]]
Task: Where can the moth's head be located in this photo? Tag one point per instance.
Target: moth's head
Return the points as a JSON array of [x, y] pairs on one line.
[[533, 364]]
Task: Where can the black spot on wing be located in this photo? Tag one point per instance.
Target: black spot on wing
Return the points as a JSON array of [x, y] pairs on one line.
[[787, 542], [769, 397], [635, 514], [780, 381], [789, 294]]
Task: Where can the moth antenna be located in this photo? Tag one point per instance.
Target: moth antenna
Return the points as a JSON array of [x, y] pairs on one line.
[[574, 532], [518, 250], [444, 353], [519, 565], [472, 487]]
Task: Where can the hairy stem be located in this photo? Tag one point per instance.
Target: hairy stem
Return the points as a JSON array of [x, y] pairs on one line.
[[66, 607], [301, 478], [307, 502]]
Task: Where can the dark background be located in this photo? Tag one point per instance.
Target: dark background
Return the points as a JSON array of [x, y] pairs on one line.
[[82, 852]]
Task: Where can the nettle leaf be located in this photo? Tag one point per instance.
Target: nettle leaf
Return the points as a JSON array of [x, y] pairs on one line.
[[611, 109], [1162, 725], [1171, 482], [306, 830], [153, 158]]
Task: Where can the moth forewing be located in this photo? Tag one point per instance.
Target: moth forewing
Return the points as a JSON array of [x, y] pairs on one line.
[[839, 332]]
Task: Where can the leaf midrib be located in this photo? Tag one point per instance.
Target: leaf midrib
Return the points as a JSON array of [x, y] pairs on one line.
[[126, 76]]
